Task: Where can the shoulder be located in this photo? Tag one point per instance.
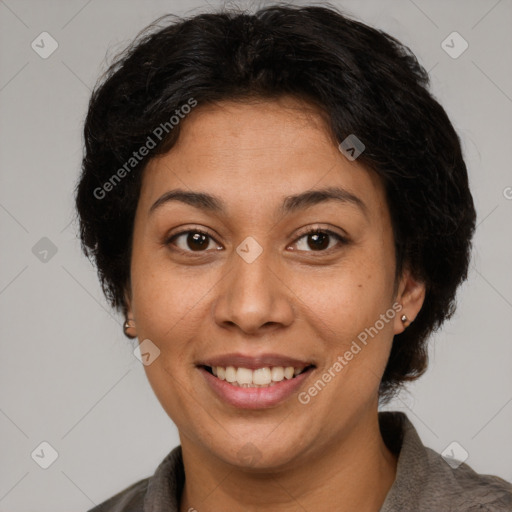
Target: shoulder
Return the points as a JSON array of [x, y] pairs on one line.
[[465, 489], [159, 492], [130, 499], [426, 481]]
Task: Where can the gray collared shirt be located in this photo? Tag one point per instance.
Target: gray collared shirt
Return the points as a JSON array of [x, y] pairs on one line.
[[424, 481]]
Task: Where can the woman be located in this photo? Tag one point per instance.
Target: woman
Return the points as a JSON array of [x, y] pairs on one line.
[[281, 211]]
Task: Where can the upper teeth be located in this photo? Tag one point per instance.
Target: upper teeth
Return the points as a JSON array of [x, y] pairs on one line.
[[246, 377]]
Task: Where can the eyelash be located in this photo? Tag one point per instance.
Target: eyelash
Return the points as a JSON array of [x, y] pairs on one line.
[[341, 239]]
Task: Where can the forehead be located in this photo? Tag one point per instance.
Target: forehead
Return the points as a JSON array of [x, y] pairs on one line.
[[260, 150]]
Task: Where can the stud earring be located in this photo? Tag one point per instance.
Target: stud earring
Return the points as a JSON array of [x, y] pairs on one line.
[[404, 318], [126, 326]]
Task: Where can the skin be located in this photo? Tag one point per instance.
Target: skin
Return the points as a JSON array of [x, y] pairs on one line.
[[292, 300]]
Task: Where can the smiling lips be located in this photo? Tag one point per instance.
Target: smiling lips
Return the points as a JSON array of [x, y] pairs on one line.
[[254, 382]]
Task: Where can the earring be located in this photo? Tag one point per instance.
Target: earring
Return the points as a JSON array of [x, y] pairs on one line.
[[404, 318], [126, 326]]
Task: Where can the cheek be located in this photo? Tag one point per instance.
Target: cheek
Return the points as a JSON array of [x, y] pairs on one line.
[[169, 309], [344, 312], [350, 297], [166, 305]]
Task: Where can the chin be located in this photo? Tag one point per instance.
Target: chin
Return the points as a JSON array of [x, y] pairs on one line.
[[256, 455]]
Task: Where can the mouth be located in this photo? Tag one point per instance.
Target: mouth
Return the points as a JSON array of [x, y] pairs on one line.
[[263, 377], [254, 382]]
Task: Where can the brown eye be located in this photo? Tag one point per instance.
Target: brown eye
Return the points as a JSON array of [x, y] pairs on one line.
[[319, 240], [191, 241], [197, 241]]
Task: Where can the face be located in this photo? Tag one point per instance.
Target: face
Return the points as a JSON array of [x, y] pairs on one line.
[[285, 260]]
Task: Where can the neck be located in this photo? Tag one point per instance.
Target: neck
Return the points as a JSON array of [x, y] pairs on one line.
[[355, 473]]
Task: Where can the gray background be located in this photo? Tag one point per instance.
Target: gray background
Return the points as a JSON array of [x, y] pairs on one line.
[[68, 375]]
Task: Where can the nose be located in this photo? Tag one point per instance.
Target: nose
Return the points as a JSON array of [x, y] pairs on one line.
[[253, 297]]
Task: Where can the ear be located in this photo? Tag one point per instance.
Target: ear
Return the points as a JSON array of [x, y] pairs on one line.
[[127, 295], [131, 331], [411, 294]]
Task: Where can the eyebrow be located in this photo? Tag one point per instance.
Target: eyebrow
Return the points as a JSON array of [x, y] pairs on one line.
[[215, 204]]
